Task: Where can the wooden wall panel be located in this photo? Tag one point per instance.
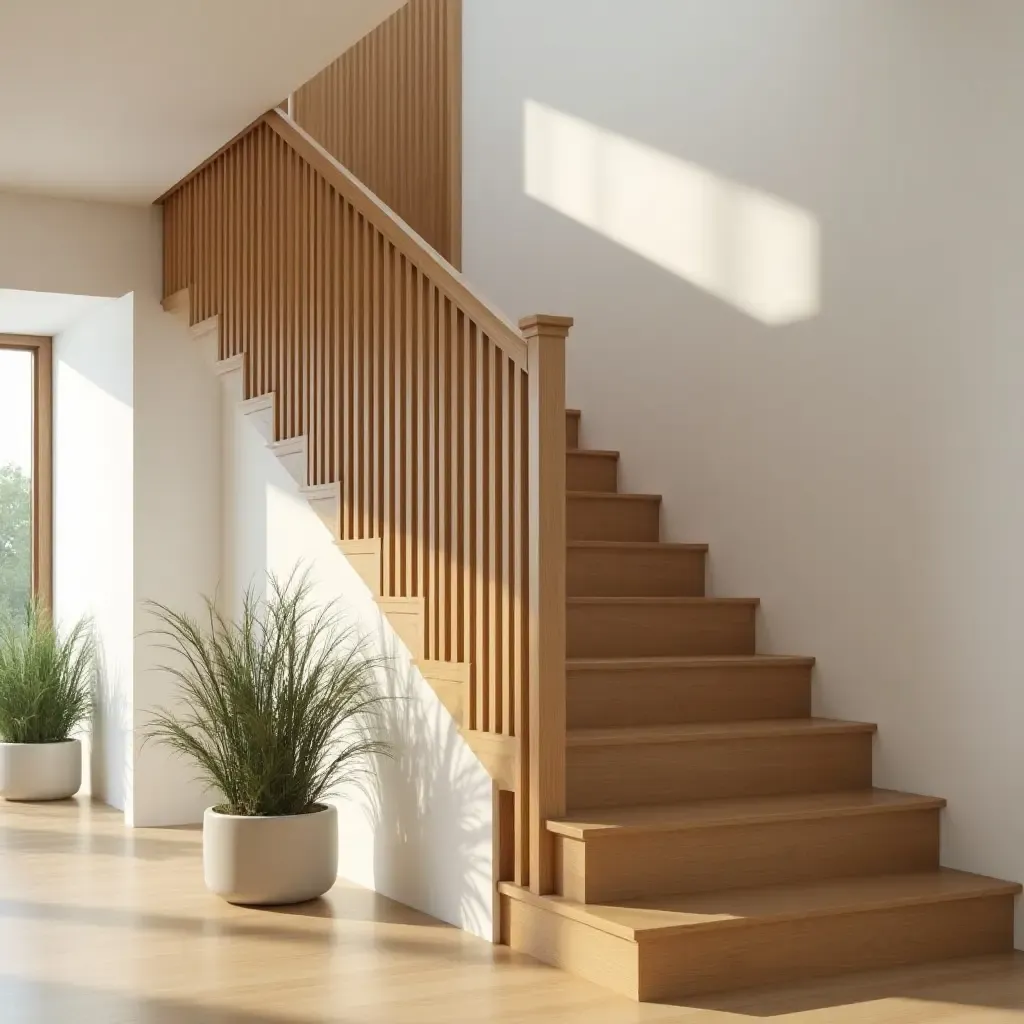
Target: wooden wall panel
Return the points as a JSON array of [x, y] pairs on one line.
[[390, 109]]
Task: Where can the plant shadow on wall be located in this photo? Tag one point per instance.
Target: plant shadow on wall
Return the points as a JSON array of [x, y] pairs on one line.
[[748, 248], [430, 845], [423, 805]]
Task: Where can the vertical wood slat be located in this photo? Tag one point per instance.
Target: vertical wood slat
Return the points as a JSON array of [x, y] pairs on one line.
[[444, 467], [442, 443], [347, 466], [469, 357], [456, 503], [480, 519], [388, 419], [493, 528], [521, 636], [408, 464], [394, 101], [431, 423]]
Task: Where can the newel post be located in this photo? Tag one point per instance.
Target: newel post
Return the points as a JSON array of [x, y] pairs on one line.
[[545, 726]]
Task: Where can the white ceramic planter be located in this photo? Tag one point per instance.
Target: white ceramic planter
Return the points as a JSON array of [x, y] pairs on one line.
[[40, 771], [263, 861]]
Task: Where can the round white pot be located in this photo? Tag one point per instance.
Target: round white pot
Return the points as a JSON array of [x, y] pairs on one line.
[[263, 861], [40, 771]]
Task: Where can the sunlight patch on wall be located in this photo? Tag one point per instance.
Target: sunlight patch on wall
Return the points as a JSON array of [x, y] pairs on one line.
[[753, 250]]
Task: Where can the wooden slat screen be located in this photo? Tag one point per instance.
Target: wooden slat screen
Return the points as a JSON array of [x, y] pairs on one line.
[[390, 110], [405, 398], [414, 397]]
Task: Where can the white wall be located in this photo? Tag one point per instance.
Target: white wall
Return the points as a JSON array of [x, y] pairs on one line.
[[792, 236], [422, 834], [177, 538], [56, 245], [130, 380], [93, 523]]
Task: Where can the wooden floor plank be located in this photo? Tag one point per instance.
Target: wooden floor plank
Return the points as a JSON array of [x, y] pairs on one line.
[[104, 925]]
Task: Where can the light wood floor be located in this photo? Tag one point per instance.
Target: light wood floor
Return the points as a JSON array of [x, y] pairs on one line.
[[100, 925]]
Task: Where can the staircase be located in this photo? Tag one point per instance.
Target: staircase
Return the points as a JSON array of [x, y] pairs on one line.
[[718, 836], [671, 819]]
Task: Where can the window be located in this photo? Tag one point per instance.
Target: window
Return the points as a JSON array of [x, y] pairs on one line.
[[25, 472]]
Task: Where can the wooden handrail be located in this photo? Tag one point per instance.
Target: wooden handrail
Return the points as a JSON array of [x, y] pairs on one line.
[[401, 235], [442, 425], [396, 230]]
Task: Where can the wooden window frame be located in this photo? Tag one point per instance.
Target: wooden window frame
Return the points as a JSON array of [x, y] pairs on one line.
[[42, 458]]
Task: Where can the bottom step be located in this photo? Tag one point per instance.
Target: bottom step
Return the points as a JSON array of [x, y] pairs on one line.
[[665, 947]]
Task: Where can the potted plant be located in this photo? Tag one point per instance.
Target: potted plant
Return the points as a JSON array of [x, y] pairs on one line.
[[277, 711], [45, 695]]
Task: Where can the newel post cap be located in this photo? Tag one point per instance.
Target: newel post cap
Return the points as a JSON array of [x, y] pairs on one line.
[[545, 325]]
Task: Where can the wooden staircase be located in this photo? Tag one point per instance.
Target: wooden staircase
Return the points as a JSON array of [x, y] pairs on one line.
[[718, 836], [670, 818]]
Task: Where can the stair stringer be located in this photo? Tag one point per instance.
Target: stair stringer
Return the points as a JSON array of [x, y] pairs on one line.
[[399, 627]]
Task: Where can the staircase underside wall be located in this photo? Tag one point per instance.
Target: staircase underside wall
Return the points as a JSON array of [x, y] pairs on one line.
[[421, 831]]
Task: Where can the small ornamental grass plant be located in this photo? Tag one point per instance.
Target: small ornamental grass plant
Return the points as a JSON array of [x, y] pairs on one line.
[[45, 677], [277, 710]]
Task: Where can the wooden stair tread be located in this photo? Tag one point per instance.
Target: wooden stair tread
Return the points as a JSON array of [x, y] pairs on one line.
[[686, 661], [659, 600], [610, 496], [634, 545], [616, 821], [659, 917], [316, 492], [704, 731], [597, 453]]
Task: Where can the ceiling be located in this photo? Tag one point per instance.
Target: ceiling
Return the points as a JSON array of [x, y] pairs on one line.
[[119, 99]]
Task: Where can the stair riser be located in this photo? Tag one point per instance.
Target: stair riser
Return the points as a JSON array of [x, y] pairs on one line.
[[407, 620], [609, 868], [296, 465], [328, 512], [641, 572], [613, 519], [572, 431], [658, 630], [654, 773], [770, 954], [592, 473], [260, 415], [638, 697]]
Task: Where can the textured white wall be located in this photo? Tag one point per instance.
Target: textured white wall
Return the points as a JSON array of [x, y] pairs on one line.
[[93, 523], [422, 834], [792, 236]]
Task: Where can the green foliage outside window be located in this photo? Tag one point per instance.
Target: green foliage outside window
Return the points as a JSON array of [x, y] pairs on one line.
[[15, 541]]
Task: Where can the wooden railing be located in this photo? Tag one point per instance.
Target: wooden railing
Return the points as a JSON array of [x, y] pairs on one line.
[[443, 424]]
